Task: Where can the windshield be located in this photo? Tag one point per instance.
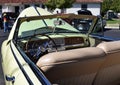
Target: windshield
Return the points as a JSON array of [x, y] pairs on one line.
[[54, 24]]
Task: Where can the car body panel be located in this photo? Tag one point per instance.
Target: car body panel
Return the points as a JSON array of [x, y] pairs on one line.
[[11, 68]]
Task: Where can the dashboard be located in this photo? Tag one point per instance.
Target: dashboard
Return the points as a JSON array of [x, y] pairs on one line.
[[58, 43], [39, 47]]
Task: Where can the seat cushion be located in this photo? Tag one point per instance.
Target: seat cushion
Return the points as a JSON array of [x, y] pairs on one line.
[[74, 66]]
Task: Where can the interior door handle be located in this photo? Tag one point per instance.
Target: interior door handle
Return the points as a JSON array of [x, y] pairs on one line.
[[10, 78]]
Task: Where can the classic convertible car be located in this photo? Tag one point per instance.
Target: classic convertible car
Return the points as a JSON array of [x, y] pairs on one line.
[[63, 49]]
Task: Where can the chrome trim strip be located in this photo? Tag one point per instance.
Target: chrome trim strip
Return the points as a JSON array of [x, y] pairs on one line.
[[21, 67]]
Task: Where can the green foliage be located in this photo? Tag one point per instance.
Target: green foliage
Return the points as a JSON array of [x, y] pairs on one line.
[[105, 5], [115, 5], [52, 4], [111, 5], [113, 21]]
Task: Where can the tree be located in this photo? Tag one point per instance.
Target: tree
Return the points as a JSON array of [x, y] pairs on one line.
[[106, 5], [111, 5], [115, 6], [61, 4]]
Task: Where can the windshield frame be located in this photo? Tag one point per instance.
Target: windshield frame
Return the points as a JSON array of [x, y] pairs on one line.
[[69, 16]]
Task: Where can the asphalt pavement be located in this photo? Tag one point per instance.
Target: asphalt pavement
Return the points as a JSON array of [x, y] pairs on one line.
[[113, 33]]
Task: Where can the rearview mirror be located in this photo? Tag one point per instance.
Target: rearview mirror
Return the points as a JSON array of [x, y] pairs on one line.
[[59, 22]]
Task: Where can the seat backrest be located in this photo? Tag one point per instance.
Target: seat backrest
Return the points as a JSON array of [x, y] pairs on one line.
[[71, 67], [110, 47], [109, 74]]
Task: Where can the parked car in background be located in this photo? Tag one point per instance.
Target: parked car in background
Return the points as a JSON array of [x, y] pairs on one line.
[[43, 49], [87, 12], [84, 12], [110, 14]]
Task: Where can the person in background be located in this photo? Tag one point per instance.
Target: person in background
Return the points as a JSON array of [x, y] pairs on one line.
[[1, 24], [5, 22]]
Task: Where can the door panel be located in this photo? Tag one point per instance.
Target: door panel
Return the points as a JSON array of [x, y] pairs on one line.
[[16, 69]]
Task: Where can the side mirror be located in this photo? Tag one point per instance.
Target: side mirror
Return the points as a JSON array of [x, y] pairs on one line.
[[100, 21], [99, 28], [103, 21]]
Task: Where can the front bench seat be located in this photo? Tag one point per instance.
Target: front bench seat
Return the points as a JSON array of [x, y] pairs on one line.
[[109, 73], [72, 67]]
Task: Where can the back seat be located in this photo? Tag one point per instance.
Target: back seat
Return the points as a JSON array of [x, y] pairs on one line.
[[109, 74], [72, 67], [84, 66]]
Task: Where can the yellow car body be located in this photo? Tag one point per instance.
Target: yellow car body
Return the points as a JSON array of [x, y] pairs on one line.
[[24, 51], [12, 71]]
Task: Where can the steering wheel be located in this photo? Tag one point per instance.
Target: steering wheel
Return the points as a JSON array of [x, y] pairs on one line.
[[36, 50]]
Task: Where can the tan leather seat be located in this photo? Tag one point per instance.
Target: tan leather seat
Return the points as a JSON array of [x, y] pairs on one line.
[[109, 74], [72, 67]]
